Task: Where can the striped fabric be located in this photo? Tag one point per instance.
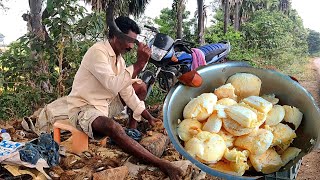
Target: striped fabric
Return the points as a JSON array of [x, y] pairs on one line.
[[198, 58]]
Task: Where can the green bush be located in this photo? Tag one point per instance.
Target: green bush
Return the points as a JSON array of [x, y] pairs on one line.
[[26, 87], [277, 37], [314, 42], [238, 51]]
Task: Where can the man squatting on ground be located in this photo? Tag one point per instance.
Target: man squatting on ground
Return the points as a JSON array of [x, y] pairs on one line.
[[102, 81]]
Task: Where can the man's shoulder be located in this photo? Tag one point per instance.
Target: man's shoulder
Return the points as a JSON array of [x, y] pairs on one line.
[[98, 46], [103, 46]]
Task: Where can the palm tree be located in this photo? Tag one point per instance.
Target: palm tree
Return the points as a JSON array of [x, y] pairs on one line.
[[235, 10], [226, 16], [204, 12], [284, 6], [274, 5], [247, 9], [179, 7], [200, 22], [124, 7]]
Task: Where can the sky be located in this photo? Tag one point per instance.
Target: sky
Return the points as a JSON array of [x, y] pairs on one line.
[[12, 26]]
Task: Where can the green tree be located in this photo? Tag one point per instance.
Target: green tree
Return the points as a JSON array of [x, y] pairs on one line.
[[168, 25], [313, 41], [248, 7], [124, 7], [275, 35], [70, 31], [215, 34], [166, 21], [38, 36]]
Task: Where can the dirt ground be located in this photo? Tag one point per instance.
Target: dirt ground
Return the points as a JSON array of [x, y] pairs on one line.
[[310, 168], [99, 159]]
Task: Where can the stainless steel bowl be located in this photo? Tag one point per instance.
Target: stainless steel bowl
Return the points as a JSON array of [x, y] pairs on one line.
[[288, 91]]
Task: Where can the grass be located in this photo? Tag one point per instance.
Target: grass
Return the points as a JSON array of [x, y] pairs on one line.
[[303, 70], [307, 75], [299, 68]]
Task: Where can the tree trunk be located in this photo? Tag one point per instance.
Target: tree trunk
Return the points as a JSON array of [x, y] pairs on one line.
[[180, 10], [200, 22], [226, 16], [284, 6], [237, 17], [38, 37], [36, 18]]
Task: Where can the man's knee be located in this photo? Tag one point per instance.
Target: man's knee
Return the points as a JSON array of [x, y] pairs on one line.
[[106, 126]]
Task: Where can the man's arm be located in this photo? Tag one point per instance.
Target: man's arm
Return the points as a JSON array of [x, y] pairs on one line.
[[152, 120], [143, 55], [132, 101]]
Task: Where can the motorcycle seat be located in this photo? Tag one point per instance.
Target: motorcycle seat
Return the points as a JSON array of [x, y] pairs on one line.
[[212, 50]]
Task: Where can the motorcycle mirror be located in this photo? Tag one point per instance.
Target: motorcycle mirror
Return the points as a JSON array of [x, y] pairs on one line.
[[163, 41], [113, 26]]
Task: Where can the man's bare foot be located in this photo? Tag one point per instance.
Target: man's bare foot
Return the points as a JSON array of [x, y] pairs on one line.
[[174, 172], [132, 124]]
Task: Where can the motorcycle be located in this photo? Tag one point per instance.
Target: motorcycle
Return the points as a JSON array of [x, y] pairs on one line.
[[173, 58]]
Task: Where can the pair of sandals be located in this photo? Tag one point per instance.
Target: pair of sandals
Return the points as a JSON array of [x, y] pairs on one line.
[[28, 124]]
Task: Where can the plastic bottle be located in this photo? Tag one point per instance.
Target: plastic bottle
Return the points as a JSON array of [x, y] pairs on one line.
[[4, 135]]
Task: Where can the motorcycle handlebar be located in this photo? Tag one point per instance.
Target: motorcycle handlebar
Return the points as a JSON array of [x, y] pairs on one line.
[[153, 29], [189, 42]]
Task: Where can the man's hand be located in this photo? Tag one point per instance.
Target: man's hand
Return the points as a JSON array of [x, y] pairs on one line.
[[143, 54], [154, 121]]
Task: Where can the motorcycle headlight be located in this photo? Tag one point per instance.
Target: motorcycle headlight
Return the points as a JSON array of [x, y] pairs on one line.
[[157, 54]]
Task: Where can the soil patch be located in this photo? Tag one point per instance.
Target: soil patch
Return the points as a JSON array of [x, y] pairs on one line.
[[310, 167]]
